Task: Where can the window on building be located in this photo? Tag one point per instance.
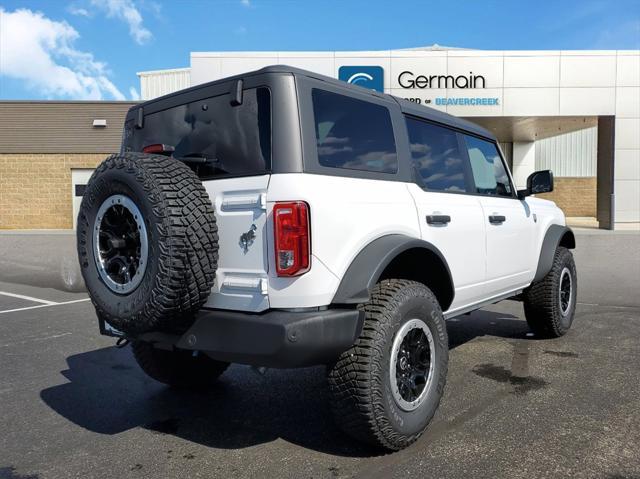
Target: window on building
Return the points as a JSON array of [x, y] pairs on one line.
[[353, 134], [436, 156], [489, 173]]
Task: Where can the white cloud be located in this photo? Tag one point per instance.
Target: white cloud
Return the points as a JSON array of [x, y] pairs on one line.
[[154, 7], [245, 3], [41, 52], [126, 11], [133, 93], [78, 11]]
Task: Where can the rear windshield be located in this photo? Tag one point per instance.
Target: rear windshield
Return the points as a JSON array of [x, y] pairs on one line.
[[213, 137]]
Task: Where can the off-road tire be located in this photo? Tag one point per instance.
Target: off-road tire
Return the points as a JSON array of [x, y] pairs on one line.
[[359, 382], [182, 243], [177, 368], [542, 299]]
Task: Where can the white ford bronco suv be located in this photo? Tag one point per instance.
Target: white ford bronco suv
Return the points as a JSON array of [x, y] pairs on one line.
[[281, 218]]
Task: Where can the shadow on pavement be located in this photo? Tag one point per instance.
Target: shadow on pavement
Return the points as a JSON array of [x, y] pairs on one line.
[[107, 393], [486, 323], [10, 473]]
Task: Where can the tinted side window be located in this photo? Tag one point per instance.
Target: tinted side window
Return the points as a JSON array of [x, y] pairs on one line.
[[436, 156], [353, 134], [489, 174]]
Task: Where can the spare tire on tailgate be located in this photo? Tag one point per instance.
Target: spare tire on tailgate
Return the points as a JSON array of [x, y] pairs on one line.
[[147, 243]]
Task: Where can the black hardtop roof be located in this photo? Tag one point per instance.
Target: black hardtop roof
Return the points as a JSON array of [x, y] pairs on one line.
[[406, 106]]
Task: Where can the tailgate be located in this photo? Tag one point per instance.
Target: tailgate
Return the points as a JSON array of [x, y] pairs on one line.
[[241, 214]]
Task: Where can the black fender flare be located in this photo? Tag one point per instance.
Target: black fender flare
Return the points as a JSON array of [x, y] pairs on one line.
[[367, 267], [554, 237]]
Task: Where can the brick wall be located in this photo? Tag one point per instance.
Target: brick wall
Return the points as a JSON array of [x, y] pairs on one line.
[[35, 189], [575, 196]]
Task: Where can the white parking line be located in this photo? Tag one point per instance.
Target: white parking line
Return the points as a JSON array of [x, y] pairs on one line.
[[44, 305], [28, 298]]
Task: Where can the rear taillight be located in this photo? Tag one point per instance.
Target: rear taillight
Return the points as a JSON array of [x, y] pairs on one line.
[[292, 237], [159, 149]]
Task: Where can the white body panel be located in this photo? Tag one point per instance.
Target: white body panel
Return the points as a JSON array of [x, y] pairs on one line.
[[241, 277], [347, 214], [462, 241], [510, 256]]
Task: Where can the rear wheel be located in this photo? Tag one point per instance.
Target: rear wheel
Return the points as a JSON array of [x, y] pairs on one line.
[[177, 368], [550, 304], [386, 388]]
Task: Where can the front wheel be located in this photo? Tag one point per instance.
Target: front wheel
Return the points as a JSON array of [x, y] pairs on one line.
[[550, 304], [386, 388]]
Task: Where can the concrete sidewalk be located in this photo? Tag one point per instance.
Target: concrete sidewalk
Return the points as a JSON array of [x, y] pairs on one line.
[[606, 262], [43, 258]]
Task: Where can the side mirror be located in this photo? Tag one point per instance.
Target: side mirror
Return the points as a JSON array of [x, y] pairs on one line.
[[538, 182]]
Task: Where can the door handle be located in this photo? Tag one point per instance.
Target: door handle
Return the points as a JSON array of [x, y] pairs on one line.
[[438, 219], [497, 219]]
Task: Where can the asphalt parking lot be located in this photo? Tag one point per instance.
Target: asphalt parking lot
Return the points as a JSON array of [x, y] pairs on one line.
[[73, 405]]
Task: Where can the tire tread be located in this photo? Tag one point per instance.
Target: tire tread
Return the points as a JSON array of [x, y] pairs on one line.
[[357, 401], [541, 306], [187, 252]]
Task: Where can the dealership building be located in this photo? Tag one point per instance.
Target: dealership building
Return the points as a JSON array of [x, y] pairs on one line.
[[574, 112]]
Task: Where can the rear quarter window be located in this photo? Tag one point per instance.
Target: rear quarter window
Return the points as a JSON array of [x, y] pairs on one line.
[[353, 134]]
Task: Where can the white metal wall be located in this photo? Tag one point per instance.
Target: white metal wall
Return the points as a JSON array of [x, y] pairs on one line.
[[157, 83], [507, 151], [570, 155]]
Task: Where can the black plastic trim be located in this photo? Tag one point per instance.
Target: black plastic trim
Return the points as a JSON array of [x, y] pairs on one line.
[[497, 219], [238, 93], [438, 219], [275, 338], [367, 267], [496, 299], [552, 239]]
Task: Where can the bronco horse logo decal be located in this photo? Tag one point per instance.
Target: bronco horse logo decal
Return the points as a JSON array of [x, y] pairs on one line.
[[246, 239]]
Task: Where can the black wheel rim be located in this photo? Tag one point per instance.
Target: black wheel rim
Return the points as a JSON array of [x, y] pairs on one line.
[[120, 244], [566, 291], [412, 364]]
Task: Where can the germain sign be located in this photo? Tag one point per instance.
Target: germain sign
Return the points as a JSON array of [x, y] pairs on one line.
[[371, 77], [410, 81], [407, 79]]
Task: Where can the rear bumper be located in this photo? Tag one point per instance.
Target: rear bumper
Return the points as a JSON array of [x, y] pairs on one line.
[[276, 338]]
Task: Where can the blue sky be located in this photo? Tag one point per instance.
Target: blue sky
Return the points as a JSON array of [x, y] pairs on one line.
[[92, 49]]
